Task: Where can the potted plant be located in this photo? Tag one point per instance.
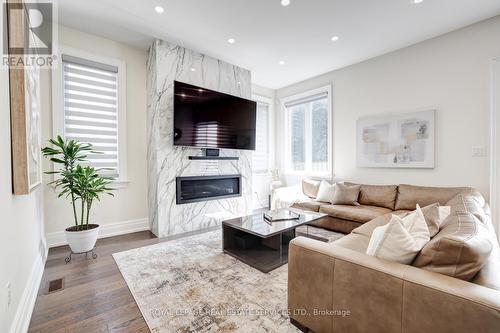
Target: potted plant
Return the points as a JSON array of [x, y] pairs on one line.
[[81, 185]]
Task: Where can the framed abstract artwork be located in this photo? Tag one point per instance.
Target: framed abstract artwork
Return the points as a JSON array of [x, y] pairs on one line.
[[403, 140], [33, 126]]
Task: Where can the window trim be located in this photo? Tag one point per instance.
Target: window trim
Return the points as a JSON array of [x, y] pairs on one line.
[[270, 138], [286, 131], [58, 104]]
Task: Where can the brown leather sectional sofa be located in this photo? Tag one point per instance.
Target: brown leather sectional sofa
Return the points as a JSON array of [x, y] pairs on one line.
[[374, 201], [336, 287]]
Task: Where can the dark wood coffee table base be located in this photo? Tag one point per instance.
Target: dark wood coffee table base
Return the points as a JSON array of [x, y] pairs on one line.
[[264, 254], [262, 244]]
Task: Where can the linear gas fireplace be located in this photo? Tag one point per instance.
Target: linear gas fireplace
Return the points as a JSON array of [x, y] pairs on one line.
[[204, 188]]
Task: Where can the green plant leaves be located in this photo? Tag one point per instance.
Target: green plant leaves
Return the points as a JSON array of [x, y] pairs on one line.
[[74, 181]]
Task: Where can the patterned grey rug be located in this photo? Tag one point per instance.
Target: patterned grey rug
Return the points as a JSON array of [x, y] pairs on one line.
[[189, 285]]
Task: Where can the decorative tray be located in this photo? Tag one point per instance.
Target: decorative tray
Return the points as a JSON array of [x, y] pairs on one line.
[[280, 215]]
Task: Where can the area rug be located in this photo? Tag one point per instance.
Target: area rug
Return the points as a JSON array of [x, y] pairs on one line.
[[189, 285]]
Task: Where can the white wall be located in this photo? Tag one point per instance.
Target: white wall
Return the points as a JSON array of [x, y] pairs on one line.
[[22, 240], [495, 144], [263, 91], [450, 73], [129, 204]]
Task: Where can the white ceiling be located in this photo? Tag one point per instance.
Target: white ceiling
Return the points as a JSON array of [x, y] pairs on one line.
[[267, 32]]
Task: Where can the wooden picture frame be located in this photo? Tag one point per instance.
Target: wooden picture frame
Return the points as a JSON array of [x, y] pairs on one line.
[[24, 92]]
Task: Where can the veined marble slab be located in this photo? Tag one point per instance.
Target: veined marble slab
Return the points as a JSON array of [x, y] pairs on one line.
[[166, 63]]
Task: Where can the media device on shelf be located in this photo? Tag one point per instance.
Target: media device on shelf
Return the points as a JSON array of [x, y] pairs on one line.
[[205, 118], [211, 152]]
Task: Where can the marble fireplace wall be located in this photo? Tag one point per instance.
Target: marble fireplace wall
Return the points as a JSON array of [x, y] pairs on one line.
[[166, 63]]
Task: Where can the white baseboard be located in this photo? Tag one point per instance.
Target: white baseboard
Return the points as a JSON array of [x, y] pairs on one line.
[[22, 318], [107, 230]]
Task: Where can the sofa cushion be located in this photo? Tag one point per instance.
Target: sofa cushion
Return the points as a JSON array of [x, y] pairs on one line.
[[336, 224], [410, 195], [401, 239], [435, 216], [346, 194], [355, 242], [377, 195], [312, 206], [472, 203], [310, 188], [361, 213], [460, 249], [325, 192], [367, 228]]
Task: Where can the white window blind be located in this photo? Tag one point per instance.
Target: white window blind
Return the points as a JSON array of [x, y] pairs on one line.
[[307, 99], [91, 109], [308, 133], [260, 163]]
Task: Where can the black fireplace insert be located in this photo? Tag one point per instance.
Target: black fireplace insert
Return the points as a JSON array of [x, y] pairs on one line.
[[204, 188]]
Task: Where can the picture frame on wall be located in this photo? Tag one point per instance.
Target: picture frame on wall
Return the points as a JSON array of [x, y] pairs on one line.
[[403, 140], [33, 127], [24, 95]]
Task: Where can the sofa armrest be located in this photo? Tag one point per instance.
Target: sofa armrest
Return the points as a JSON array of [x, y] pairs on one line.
[[334, 289], [284, 197]]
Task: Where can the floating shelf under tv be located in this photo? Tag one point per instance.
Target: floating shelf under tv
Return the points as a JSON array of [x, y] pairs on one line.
[[226, 158]]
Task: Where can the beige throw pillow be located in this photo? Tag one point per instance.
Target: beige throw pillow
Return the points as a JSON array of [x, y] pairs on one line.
[[310, 188], [346, 195], [434, 216], [325, 192], [401, 239]]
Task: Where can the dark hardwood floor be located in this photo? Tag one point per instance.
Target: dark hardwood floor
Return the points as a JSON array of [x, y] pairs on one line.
[[95, 297]]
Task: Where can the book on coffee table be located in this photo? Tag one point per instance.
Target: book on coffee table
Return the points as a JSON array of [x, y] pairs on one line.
[[280, 215]]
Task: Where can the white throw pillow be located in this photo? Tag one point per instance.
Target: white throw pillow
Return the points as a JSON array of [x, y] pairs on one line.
[[325, 192], [401, 239]]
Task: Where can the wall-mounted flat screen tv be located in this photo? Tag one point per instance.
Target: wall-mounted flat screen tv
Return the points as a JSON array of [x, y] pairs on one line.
[[206, 118]]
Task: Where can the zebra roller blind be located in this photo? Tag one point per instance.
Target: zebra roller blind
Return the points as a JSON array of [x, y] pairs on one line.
[[91, 109]]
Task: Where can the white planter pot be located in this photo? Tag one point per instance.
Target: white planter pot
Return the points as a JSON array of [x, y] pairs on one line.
[[82, 241]]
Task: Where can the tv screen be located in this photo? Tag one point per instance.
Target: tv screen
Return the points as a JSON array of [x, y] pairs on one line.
[[209, 119]]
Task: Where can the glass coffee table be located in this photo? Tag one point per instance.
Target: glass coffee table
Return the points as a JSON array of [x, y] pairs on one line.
[[260, 243]]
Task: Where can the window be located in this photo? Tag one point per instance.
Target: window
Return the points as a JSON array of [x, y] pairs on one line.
[[308, 133], [92, 108], [261, 155]]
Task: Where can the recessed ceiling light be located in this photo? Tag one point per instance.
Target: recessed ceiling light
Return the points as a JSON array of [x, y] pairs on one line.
[[281, 62], [335, 38], [159, 9], [231, 40], [285, 2], [418, 1], [238, 83], [192, 69]]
